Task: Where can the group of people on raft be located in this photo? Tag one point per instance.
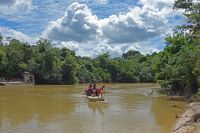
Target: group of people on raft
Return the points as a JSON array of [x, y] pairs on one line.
[[92, 90]]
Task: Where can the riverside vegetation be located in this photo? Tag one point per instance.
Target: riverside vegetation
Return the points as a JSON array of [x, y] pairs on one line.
[[176, 68]]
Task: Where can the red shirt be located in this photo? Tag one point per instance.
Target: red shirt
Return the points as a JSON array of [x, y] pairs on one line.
[[101, 90]]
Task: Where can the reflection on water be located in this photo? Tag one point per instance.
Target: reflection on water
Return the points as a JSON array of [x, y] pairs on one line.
[[61, 109]]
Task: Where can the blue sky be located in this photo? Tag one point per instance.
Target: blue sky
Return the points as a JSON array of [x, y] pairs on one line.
[[91, 27]]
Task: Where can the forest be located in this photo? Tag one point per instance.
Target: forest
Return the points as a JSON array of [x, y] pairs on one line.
[[176, 68]]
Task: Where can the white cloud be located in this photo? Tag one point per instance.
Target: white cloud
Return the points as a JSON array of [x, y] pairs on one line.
[[159, 4], [104, 48], [78, 24], [132, 47], [118, 50], [81, 30], [144, 48], [136, 25], [7, 32], [10, 7], [196, 1], [164, 8], [74, 46]]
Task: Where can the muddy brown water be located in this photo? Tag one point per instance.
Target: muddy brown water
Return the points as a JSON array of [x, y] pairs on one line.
[[63, 109]]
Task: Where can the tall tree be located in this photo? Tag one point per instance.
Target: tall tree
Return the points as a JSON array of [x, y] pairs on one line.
[[192, 12]]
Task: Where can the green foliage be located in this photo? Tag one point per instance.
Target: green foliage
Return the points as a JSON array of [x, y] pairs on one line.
[[52, 65], [45, 63], [69, 68], [192, 13], [3, 62], [130, 54], [178, 66], [1, 38]]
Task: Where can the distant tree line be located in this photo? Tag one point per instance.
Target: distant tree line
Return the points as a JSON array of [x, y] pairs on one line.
[[176, 68], [52, 65]]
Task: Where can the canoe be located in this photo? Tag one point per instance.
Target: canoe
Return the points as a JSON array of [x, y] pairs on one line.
[[1, 84], [94, 99]]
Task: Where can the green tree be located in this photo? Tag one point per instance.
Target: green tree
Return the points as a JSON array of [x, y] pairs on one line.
[[1, 40], [46, 63], [69, 68], [14, 54], [3, 62], [192, 12]]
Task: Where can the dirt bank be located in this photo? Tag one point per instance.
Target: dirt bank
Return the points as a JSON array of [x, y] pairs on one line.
[[189, 121]]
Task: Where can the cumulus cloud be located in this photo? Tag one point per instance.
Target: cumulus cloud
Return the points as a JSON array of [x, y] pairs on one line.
[[78, 24], [136, 25], [118, 50], [70, 45], [9, 7], [159, 4], [7, 32], [116, 34], [104, 48], [144, 48]]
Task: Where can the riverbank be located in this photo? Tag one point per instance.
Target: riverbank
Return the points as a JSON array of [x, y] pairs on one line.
[[188, 122]]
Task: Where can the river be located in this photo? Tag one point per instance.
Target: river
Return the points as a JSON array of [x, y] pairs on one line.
[[63, 109]]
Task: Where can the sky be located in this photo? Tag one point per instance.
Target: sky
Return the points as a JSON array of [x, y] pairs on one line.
[[92, 27]]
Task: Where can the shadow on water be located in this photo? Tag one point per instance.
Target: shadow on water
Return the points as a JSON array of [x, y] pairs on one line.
[[165, 111]]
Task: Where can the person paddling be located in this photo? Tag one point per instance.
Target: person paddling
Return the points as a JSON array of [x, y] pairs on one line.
[[89, 90], [101, 91], [94, 90]]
